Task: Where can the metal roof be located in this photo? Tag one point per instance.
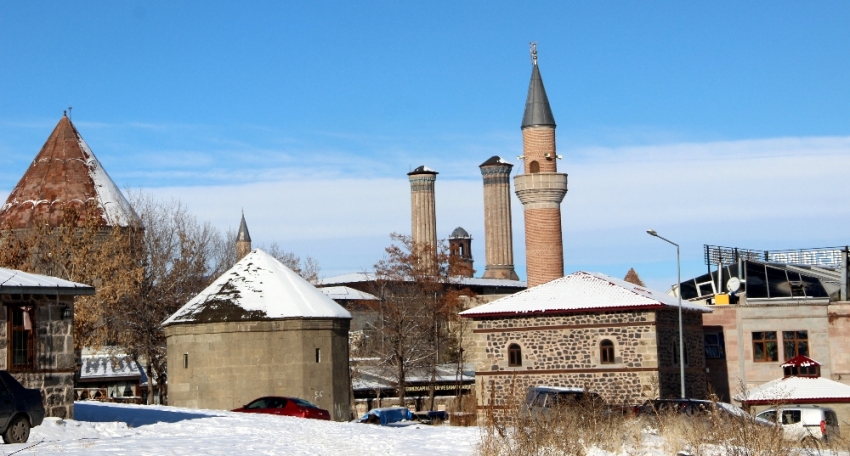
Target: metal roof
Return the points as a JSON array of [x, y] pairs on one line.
[[347, 293], [243, 235], [577, 292], [459, 232], [65, 173], [13, 281], [537, 110], [357, 277], [422, 170], [495, 160]]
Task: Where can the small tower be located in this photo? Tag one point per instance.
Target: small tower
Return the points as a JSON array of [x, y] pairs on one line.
[[423, 212], [498, 232], [541, 188], [460, 246], [243, 240]]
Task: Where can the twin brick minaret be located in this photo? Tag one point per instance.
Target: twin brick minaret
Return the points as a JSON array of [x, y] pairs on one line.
[[541, 188], [423, 213], [498, 234]]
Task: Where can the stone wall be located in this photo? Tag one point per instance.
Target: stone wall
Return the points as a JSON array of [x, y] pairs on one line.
[[669, 371], [54, 350], [229, 364]]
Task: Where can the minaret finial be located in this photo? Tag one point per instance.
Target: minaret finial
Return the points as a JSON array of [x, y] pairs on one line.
[[533, 48], [70, 112]]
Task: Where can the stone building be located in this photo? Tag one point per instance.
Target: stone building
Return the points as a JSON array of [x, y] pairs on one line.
[[259, 329], [460, 247], [37, 335], [498, 231], [586, 330], [541, 188]]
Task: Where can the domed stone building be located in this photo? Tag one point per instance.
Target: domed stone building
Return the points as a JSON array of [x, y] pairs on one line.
[[259, 330]]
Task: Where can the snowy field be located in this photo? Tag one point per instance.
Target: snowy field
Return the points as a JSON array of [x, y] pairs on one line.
[[113, 429]]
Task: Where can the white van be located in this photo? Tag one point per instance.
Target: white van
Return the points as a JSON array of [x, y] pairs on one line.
[[800, 422]]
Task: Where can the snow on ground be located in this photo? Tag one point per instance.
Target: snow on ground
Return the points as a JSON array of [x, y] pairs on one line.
[[114, 429]]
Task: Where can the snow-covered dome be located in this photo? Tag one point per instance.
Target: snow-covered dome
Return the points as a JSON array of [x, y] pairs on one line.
[[258, 287], [459, 233]]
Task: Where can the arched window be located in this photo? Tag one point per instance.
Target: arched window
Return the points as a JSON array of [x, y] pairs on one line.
[[514, 355], [534, 167], [606, 352]]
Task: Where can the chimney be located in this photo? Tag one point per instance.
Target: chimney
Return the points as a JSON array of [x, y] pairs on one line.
[[498, 232]]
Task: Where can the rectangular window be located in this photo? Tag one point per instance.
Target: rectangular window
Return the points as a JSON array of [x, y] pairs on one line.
[[185, 360], [22, 338], [318, 355], [765, 349], [715, 348], [795, 343]]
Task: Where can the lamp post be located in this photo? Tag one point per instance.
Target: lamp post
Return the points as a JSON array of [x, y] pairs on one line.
[[679, 293]]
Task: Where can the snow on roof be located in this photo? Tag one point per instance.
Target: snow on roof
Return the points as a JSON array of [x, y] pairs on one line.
[[422, 170], [14, 281], [258, 287], [800, 361], [357, 277], [580, 291], [105, 366], [65, 173], [342, 292], [495, 160], [796, 390]]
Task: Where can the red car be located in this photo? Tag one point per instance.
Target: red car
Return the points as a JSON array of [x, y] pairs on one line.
[[286, 406]]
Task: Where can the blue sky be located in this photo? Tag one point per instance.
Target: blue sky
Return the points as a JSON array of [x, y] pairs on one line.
[[721, 123]]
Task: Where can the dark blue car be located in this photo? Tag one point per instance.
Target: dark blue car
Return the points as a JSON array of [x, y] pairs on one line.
[[20, 409]]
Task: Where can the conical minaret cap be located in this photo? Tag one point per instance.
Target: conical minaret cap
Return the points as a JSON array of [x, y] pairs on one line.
[[243, 235], [537, 110]]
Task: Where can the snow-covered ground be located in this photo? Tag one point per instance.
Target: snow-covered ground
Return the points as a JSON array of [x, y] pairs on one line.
[[114, 429]]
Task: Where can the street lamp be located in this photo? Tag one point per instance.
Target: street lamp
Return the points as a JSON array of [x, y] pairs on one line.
[[679, 293]]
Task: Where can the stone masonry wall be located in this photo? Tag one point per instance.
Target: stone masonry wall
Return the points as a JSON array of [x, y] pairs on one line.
[[226, 365], [667, 331], [563, 350], [54, 350]]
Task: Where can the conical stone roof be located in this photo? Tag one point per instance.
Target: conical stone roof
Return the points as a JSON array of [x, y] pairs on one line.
[[258, 287], [243, 235], [538, 113], [65, 173], [633, 277]]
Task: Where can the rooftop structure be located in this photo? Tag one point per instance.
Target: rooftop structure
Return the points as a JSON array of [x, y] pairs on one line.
[[65, 173]]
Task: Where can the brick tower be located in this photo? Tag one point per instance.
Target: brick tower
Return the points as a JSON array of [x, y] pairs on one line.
[[541, 188], [498, 233], [243, 240], [460, 246], [423, 213]]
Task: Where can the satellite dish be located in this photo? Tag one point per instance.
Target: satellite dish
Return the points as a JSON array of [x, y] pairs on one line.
[[733, 284]]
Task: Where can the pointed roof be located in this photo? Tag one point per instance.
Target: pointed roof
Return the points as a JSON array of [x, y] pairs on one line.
[[65, 173], [422, 170], [579, 292], [633, 277], [495, 160], [258, 287], [537, 110], [13, 281], [243, 235]]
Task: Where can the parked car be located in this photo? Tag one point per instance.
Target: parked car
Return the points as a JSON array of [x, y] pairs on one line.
[[699, 409], [285, 406], [21, 409], [800, 422], [544, 397]]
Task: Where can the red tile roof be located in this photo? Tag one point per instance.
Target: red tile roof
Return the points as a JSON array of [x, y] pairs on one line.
[[65, 173]]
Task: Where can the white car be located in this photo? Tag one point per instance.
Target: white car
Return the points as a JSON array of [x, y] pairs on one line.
[[801, 422]]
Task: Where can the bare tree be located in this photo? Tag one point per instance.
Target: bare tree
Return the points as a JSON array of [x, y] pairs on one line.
[[418, 290]]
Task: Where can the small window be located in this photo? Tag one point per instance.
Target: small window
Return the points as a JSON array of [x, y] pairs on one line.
[[770, 415], [764, 347], [514, 356], [790, 416], [675, 347], [318, 355], [606, 352], [22, 337], [795, 343], [714, 345], [185, 360], [534, 167]]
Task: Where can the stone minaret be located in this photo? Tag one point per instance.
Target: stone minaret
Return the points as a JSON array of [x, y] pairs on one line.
[[498, 233], [541, 188], [423, 212], [460, 247], [243, 240]]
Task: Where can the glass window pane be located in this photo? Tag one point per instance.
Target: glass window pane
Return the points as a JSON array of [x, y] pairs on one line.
[[772, 353], [770, 335], [758, 336], [758, 351], [789, 335], [803, 348]]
